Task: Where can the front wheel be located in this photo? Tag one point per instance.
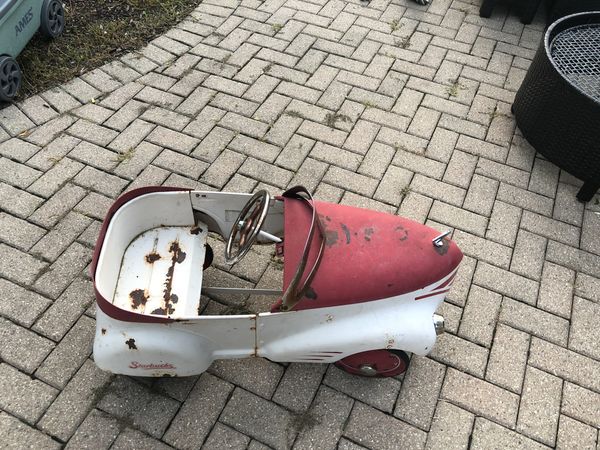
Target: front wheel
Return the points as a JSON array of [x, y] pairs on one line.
[[53, 18], [10, 78], [375, 363]]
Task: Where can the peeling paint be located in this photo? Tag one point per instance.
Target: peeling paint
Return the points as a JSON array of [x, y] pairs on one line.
[[131, 344]]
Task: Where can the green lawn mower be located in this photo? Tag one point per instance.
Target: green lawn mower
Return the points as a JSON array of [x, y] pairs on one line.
[[19, 20]]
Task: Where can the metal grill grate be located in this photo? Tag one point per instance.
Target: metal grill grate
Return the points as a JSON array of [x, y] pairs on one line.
[[576, 53]]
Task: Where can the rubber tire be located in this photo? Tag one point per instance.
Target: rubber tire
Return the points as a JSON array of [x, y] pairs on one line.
[[354, 367], [52, 10], [11, 82], [487, 6], [423, 2]]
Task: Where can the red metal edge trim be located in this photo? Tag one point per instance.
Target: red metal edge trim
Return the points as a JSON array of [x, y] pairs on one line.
[[106, 306]]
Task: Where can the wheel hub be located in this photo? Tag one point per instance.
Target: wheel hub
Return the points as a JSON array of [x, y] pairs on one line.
[[368, 370]]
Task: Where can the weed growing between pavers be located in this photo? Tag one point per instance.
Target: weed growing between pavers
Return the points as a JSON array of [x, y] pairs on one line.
[[95, 33]]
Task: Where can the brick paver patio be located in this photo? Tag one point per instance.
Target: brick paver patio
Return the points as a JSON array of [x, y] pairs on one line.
[[387, 105]]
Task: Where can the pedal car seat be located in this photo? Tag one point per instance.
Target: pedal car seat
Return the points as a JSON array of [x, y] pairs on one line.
[[368, 255]]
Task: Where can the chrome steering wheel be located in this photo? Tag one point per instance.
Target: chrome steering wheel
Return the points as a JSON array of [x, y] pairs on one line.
[[247, 226]]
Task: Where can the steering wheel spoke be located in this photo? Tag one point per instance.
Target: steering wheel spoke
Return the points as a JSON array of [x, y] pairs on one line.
[[247, 227]]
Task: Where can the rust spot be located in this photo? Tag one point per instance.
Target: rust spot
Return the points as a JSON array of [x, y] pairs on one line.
[[131, 344], [368, 233], [196, 230], [402, 232], [331, 238], [138, 297], [310, 293], [152, 257], [444, 247], [103, 331], [346, 232], [178, 256]]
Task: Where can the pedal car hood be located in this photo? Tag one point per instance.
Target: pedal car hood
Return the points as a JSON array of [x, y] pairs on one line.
[[368, 255]]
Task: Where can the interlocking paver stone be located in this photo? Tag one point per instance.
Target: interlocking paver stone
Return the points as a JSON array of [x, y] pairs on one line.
[[450, 428], [16, 434]]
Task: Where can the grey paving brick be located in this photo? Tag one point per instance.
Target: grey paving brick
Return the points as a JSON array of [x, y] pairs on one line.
[[572, 433], [22, 396], [222, 436], [350, 181], [583, 336], [479, 147], [69, 354], [18, 149], [525, 199], [16, 174], [53, 244], [556, 290], [451, 428], [376, 162], [262, 171], [20, 305], [22, 348], [480, 397], [16, 434], [56, 177], [19, 233], [294, 153], [506, 283], [256, 375], [589, 232], [97, 431], [414, 206], [376, 430], [481, 195], [581, 404], [330, 410], [460, 169], [588, 287], [540, 406], [575, 259], [74, 402], [479, 316], [439, 190], [123, 397], [64, 312], [420, 390], [550, 228], [222, 169], [62, 272], [534, 321], [508, 357], [259, 419], [189, 429], [310, 174], [45, 158], [487, 434], [565, 209], [299, 385], [458, 218], [565, 364], [544, 178], [99, 181], [528, 255], [58, 205], [483, 249], [460, 353], [462, 283], [131, 439], [380, 393], [44, 134], [18, 266]]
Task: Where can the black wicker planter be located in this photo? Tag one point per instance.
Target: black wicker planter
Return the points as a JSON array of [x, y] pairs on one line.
[[557, 107]]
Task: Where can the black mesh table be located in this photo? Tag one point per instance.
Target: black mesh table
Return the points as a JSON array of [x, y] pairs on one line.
[[557, 107]]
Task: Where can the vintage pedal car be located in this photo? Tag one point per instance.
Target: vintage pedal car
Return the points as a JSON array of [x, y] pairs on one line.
[[360, 288]]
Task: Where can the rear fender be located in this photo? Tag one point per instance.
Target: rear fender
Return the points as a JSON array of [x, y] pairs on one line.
[[152, 350]]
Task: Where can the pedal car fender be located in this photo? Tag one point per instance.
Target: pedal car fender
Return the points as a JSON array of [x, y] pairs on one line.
[[148, 349]]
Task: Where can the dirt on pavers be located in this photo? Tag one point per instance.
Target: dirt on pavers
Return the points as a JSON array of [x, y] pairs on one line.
[[95, 32]]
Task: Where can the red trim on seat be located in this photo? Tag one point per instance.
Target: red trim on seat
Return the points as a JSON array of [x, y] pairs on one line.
[[105, 305]]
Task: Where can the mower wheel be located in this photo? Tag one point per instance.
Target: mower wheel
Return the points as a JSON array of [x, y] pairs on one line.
[[423, 2], [10, 78], [53, 18], [375, 363]]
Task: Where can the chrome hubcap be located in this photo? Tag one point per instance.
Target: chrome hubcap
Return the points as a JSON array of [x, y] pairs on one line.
[[368, 370]]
